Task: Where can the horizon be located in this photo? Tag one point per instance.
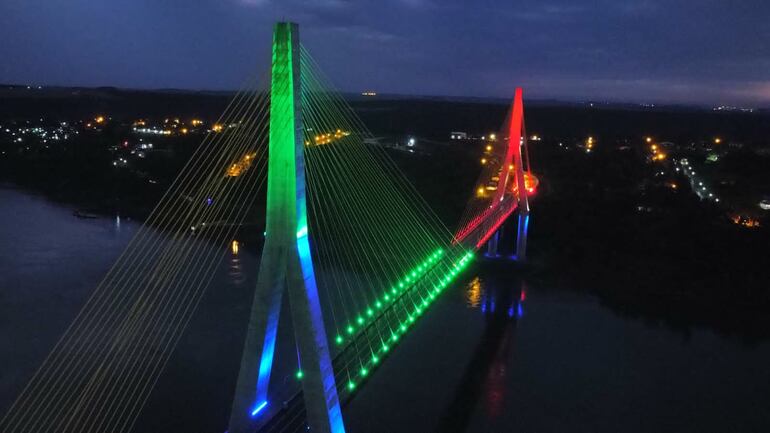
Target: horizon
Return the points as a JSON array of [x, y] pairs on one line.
[[496, 99]]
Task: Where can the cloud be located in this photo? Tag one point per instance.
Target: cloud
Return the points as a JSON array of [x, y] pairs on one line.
[[548, 12], [254, 2], [417, 4], [319, 4], [359, 32], [636, 7]]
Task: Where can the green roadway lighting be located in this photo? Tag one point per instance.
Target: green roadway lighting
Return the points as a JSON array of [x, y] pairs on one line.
[[411, 278], [417, 310]]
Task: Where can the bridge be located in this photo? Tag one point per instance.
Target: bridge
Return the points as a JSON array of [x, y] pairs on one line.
[[348, 240]]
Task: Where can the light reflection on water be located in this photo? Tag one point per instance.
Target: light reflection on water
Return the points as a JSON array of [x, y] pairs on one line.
[[478, 296], [473, 293], [235, 268], [501, 303]]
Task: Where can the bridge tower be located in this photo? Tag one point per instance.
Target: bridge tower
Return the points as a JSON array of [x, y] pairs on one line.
[[286, 263], [516, 140]]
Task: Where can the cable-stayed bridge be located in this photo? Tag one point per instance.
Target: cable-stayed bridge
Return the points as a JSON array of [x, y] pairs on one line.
[[348, 240]]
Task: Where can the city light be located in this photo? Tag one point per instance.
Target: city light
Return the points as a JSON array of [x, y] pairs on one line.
[[329, 137], [237, 168], [745, 221]]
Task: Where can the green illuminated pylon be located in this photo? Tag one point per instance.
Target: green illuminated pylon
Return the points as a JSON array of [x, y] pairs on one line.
[[286, 264]]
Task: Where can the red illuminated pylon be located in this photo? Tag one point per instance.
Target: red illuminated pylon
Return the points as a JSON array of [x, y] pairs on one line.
[[516, 139], [484, 226]]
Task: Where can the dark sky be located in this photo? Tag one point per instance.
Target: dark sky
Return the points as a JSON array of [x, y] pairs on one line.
[[698, 51]]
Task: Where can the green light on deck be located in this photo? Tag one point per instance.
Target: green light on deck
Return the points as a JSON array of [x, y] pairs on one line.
[[410, 282], [299, 374], [351, 386]]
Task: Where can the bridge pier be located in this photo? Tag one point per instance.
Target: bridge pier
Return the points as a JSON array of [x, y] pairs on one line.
[[521, 236], [492, 244], [520, 253], [286, 264]]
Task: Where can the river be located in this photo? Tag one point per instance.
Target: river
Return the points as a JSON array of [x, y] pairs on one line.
[[494, 354]]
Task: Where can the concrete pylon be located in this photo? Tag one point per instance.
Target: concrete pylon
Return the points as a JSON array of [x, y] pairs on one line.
[[286, 264]]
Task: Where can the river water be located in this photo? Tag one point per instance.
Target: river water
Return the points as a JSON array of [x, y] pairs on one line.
[[494, 354]]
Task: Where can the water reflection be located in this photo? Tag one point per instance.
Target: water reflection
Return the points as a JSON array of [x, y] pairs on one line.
[[235, 268], [501, 301], [473, 293]]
